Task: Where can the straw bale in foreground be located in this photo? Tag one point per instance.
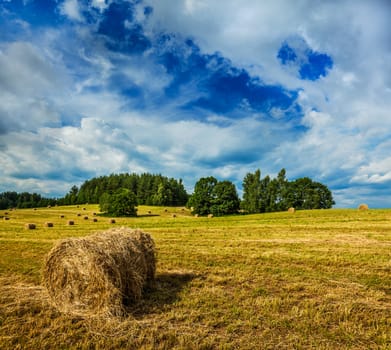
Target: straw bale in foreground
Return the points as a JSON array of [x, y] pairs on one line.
[[101, 273]]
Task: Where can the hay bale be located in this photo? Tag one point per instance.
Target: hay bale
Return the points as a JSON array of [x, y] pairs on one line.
[[111, 221], [48, 224], [6, 218], [62, 216], [94, 220], [70, 222], [291, 210], [86, 217], [30, 226], [210, 215], [363, 207], [100, 274]]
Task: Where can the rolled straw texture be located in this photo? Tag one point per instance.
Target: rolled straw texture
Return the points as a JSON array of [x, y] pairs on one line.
[[101, 273]]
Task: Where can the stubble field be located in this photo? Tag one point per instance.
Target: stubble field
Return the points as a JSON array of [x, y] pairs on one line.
[[307, 280]]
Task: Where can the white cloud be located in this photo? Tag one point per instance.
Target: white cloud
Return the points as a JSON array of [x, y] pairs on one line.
[[67, 79], [71, 9]]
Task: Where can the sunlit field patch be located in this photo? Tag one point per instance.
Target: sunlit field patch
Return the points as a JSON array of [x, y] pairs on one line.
[[311, 279]]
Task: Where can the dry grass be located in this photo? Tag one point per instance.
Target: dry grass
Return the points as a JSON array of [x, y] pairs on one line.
[[313, 280]]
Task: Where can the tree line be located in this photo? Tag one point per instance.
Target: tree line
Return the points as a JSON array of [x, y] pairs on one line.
[[149, 189], [24, 200], [210, 196], [260, 195]]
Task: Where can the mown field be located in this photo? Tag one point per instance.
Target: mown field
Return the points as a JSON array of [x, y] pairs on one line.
[[309, 280]]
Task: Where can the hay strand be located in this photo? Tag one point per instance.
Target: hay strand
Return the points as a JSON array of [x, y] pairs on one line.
[[98, 275]]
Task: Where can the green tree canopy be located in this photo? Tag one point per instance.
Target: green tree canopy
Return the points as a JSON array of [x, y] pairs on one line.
[[122, 202], [214, 197], [150, 189], [225, 199], [267, 195]]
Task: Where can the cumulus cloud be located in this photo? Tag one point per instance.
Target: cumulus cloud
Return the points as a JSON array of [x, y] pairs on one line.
[[71, 9], [193, 88]]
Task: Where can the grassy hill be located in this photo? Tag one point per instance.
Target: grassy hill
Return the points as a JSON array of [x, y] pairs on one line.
[[316, 279]]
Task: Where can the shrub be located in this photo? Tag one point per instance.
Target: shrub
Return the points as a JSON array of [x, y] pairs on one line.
[[123, 202]]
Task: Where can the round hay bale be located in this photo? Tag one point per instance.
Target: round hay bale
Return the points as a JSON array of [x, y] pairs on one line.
[[210, 215], [78, 214], [62, 216], [291, 210], [86, 217], [111, 221], [99, 275], [70, 222], [30, 226], [6, 218], [363, 207], [48, 224], [94, 220]]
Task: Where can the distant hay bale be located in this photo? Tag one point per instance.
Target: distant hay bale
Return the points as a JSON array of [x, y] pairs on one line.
[[62, 216], [48, 224], [86, 217], [111, 221], [95, 220], [291, 210], [210, 215], [70, 222], [6, 218], [101, 274], [30, 226], [174, 215], [78, 214], [363, 207], [196, 215]]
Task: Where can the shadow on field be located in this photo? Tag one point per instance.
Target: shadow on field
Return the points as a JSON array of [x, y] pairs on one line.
[[165, 291], [146, 215]]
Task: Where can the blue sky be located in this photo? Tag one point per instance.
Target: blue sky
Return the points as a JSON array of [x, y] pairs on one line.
[[193, 88]]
